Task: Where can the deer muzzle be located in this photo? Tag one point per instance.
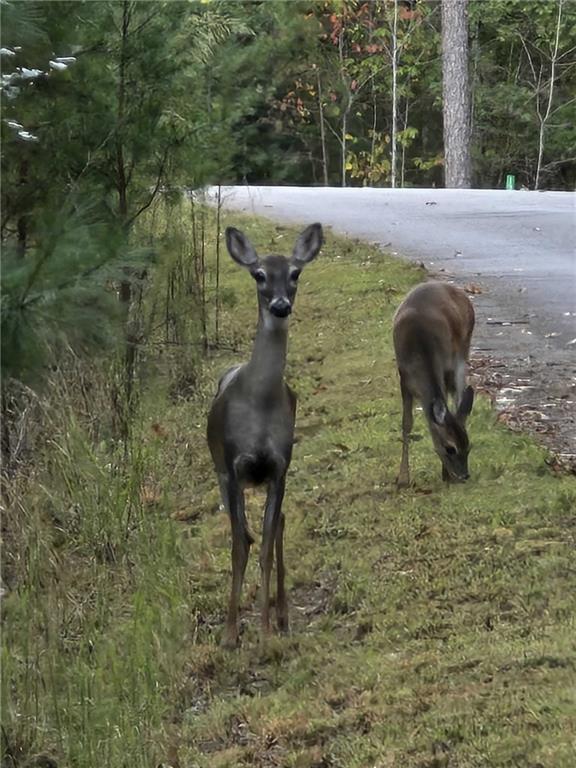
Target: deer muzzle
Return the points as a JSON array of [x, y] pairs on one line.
[[280, 307]]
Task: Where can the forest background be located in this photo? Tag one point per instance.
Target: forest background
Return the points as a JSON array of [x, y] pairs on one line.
[[107, 104]]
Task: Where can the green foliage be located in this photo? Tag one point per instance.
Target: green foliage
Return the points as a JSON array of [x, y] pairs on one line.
[[123, 116], [512, 50], [327, 65], [373, 167], [185, 93], [55, 298]]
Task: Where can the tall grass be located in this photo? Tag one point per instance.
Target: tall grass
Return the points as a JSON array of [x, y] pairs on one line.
[[99, 601]]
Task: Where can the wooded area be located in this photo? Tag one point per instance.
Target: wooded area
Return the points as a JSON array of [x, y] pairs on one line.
[[106, 104]]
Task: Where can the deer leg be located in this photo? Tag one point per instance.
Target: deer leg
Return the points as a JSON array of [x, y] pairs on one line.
[[241, 540], [281, 603], [403, 479], [269, 534], [223, 484]]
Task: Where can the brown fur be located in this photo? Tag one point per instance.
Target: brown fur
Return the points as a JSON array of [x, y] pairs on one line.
[[432, 333]]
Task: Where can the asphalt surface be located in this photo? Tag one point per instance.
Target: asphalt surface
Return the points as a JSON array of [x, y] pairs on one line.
[[514, 251]]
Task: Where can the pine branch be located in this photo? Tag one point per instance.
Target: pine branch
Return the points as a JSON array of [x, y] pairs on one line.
[[154, 191]]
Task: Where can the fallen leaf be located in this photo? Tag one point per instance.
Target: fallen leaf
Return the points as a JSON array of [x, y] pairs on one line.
[[158, 430], [149, 493], [185, 514]]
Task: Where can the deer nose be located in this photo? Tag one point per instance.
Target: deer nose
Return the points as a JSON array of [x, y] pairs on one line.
[[280, 307]]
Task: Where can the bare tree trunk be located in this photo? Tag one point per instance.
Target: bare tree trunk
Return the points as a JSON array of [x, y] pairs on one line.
[[343, 142], [367, 181], [124, 397], [22, 235], [203, 282], [403, 163], [217, 309], [456, 94], [374, 126], [121, 180], [394, 96], [344, 129], [544, 117], [22, 223], [322, 128]]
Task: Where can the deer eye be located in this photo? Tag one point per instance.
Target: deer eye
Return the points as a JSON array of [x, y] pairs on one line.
[[450, 450], [260, 276], [295, 274]]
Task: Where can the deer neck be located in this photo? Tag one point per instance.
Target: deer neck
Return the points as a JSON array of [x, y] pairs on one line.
[[268, 361]]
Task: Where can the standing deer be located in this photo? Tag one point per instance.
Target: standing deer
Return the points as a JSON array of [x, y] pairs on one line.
[[251, 421], [432, 331]]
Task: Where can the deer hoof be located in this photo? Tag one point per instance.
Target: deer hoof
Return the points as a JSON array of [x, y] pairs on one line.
[[402, 482]]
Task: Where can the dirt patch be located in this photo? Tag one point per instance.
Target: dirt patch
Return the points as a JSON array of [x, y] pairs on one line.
[[533, 397], [528, 372], [310, 601]]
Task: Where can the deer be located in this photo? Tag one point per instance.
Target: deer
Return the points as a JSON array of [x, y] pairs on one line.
[[251, 422], [432, 330]]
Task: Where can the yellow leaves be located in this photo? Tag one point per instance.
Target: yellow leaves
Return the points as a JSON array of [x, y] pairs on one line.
[[150, 493]]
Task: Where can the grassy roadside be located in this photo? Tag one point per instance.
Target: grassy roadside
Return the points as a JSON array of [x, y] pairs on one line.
[[432, 627]]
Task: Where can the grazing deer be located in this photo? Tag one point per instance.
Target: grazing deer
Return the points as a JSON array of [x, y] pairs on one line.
[[251, 421], [432, 331]]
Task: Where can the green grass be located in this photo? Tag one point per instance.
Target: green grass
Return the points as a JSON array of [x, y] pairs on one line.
[[430, 627]]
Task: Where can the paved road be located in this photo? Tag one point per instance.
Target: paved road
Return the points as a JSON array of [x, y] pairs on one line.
[[518, 247]]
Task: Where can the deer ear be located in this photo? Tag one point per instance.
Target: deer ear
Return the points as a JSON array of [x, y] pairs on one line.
[[438, 411], [240, 248], [308, 245], [465, 405]]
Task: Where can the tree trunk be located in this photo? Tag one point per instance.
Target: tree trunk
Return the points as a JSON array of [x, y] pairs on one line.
[[456, 94], [374, 127], [394, 97], [343, 143], [322, 129], [403, 165], [344, 126], [543, 118], [22, 223], [121, 180], [22, 234], [217, 309]]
